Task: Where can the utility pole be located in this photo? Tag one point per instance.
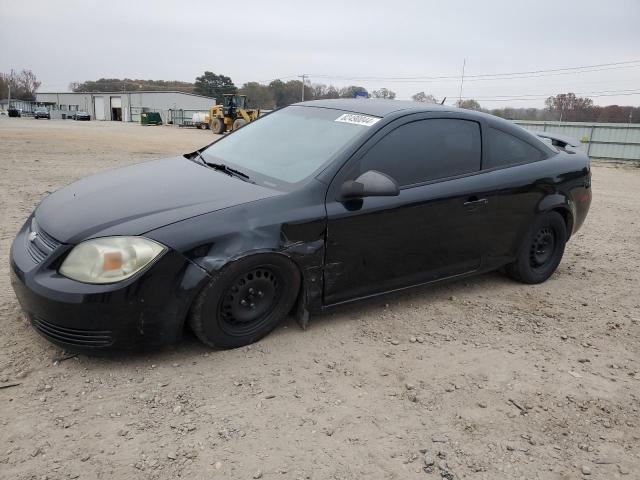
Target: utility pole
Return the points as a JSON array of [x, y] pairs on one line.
[[464, 62], [303, 76], [10, 81]]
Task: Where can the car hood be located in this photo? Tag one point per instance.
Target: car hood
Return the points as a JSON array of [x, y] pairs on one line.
[[136, 199]]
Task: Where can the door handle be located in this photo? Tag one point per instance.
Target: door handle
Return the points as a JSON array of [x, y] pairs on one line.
[[475, 202]]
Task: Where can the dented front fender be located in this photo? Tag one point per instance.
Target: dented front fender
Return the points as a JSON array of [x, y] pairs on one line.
[[292, 224]]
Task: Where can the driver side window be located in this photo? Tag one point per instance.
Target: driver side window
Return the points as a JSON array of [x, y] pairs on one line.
[[426, 150]]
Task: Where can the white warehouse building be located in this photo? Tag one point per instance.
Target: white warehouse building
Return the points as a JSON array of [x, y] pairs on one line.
[[124, 106]]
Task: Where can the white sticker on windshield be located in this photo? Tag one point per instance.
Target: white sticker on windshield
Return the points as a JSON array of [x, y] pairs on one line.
[[356, 119]]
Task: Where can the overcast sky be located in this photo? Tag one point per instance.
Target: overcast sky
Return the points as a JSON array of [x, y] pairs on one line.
[[334, 42]]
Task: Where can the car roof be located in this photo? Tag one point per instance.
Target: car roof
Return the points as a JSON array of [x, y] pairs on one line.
[[381, 108], [378, 107]]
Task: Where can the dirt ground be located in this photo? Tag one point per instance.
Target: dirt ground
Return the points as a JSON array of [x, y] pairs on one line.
[[484, 378]]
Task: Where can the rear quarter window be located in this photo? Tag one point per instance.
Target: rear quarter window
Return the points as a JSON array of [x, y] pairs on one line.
[[504, 149]]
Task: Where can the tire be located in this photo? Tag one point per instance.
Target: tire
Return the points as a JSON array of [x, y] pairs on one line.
[[239, 123], [245, 301], [217, 125], [541, 251]]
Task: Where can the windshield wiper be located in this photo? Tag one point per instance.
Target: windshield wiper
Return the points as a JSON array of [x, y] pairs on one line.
[[225, 169], [228, 170]]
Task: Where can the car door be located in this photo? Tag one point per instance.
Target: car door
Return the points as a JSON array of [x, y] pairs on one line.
[[429, 231]]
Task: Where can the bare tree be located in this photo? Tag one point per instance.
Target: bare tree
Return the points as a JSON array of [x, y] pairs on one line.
[[469, 104], [28, 84], [569, 107], [321, 91], [24, 85], [423, 97], [384, 93]]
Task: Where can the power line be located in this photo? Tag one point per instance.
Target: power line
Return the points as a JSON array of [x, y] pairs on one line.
[[551, 74], [277, 78], [556, 69], [497, 76], [517, 99], [539, 95], [469, 78], [455, 77]]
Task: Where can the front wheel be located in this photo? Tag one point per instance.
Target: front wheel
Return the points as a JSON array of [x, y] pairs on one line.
[[217, 125], [542, 250], [245, 301], [239, 123]]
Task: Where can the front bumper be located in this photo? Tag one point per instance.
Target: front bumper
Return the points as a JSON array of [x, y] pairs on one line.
[[147, 310]]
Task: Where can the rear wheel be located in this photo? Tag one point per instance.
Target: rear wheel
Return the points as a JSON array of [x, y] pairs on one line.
[[542, 250], [239, 123], [245, 301], [217, 125]]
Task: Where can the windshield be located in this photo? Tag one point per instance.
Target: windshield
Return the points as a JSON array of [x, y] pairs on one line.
[[289, 145]]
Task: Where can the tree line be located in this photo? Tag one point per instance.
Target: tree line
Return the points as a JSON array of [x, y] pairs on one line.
[[275, 94], [566, 107], [278, 93], [130, 85]]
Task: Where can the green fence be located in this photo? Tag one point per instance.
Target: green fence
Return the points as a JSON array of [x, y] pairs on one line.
[[618, 142]]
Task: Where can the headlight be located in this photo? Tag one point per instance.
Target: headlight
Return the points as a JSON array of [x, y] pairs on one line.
[[109, 259]]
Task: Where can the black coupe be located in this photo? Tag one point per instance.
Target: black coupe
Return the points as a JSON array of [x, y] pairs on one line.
[[312, 206]]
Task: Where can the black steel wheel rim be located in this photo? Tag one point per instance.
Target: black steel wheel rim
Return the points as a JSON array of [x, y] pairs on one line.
[[247, 303], [543, 247]]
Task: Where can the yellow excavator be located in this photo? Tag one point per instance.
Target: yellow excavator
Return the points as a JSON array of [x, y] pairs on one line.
[[232, 114]]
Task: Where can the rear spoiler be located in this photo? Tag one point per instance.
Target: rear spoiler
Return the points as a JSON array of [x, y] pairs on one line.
[[558, 140]]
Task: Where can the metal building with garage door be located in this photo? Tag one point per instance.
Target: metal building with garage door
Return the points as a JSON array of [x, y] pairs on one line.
[[123, 106]]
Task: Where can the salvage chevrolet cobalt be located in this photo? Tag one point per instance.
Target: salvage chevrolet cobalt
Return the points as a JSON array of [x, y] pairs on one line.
[[312, 206]]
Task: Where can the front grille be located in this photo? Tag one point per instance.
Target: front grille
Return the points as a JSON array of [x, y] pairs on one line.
[[39, 243], [72, 336]]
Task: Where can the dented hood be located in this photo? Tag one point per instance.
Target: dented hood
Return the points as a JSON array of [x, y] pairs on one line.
[[139, 198]]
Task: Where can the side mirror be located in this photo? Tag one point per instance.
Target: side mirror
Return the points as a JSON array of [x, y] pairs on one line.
[[370, 184]]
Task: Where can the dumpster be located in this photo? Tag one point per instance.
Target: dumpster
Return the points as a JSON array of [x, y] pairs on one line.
[[150, 118]]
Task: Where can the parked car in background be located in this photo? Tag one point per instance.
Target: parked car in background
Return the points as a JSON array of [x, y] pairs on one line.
[[14, 112], [81, 116], [41, 112], [312, 206]]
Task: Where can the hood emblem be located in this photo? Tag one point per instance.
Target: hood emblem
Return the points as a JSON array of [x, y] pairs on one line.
[[32, 236]]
